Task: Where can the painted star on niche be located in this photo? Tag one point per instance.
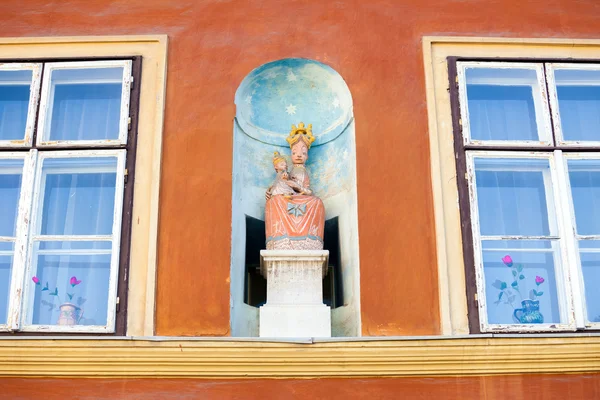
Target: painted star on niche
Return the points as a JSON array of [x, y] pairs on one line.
[[291, 109], [291, 77]]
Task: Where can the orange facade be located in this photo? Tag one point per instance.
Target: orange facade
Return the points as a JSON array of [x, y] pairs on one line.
[[376, 46], [530, 387]]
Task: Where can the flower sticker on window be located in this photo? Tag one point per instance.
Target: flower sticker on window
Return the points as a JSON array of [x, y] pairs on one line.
[[507, 260], [529, 313], [74, 282], [70, 314]]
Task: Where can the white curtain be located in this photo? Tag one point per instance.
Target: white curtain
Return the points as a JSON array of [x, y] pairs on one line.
[[14, 103], [86, 111], [501, 112], [579, 108]]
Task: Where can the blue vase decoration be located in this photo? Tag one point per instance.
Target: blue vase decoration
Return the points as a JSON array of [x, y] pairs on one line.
[[530, 313]]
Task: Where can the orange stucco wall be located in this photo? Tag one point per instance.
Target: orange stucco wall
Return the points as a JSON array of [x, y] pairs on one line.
[[530, 387], [376, 46]]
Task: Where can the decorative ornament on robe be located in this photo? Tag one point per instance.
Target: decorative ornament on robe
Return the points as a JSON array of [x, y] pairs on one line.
[[296, 222]]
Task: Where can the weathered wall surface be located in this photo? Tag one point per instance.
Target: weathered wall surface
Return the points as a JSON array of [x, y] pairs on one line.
[[376, 46], [532, 387]]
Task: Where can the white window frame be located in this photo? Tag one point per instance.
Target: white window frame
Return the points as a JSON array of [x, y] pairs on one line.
[[36, 203], [20, 302], [20, 239], [47, 102], [552, 92], [562, 273], [34, 93], [30, 208], [573, 243], [542, 111], [570, 292]]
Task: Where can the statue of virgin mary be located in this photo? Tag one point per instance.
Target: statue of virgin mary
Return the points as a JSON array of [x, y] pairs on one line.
[[295, 221]]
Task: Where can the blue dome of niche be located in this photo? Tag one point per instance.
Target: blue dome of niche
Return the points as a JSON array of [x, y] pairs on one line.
[[285, 92]]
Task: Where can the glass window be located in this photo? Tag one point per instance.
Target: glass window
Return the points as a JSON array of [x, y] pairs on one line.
[[584, 179], [576, 97], [75, 233], [78, 196], [85, 103], [511, 195], [74, 282], [503, 103], [61, 209], [520, 276], [518, 236], [11, 176], [19, 85], [589, 253], [6, 263], [533, 212]]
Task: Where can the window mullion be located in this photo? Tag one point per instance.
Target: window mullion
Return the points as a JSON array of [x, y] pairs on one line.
[[570, 255], [552, 104], [22, 234]]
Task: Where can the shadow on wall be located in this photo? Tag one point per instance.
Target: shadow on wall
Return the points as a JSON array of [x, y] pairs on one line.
[[269, 100]]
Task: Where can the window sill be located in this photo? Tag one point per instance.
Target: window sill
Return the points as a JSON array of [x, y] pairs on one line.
[[134, 357]]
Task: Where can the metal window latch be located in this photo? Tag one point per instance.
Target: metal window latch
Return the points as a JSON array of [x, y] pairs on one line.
[[131, 83], [126, 174], [118, 303], [129, 123], [475, 296]]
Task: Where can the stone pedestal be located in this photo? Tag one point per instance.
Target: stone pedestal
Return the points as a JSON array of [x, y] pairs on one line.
[[294, 305]]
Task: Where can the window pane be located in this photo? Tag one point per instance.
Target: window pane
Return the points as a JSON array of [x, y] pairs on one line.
[[584, 177], [14, 103], [512, 196], [502, 104], [589, 253], [6, 260], [579, 103], [74, 278], [11, 171], [520, 281], [78, 196], [85, 104]]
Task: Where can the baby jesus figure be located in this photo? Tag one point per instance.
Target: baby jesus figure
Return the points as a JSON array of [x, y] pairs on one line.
[[282, 185]]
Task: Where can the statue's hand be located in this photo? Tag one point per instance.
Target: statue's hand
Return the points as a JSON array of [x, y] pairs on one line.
[[294, 185], [268, 194]]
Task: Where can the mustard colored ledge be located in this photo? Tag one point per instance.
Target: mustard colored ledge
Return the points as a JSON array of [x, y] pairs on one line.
[[214, 358]]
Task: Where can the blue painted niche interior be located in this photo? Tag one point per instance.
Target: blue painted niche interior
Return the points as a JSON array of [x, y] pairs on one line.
[[268, 101]]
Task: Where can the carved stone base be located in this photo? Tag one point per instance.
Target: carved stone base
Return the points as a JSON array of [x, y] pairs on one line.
[[288, 244], [294, 305]]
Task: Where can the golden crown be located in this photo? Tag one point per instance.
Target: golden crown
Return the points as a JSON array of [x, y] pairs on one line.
[[277, 158], [301, 132]]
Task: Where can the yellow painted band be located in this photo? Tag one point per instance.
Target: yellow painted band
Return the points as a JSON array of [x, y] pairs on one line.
[[219, 359]]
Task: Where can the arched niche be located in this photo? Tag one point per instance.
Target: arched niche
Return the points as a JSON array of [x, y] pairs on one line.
[[268, 101]]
